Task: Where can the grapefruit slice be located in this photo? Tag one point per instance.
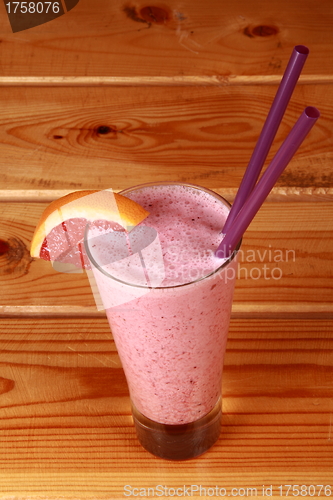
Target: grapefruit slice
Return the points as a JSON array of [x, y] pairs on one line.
[[60, 231]]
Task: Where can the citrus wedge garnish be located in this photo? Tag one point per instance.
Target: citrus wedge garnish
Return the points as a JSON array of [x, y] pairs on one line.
[[60, 231]]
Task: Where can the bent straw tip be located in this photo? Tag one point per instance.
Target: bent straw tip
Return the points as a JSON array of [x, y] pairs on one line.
[[302, 49], [312, 112]]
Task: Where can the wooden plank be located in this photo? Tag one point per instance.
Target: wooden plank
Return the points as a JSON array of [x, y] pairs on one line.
[[88, 343], [65, 412], [127, 39], [76, 138], [285, 265], [164, 479]]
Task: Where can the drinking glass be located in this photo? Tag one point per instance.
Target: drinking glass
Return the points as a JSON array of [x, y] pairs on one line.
[[171, 339]]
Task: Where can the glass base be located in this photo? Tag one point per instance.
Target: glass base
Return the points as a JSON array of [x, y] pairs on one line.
[[179, 442]]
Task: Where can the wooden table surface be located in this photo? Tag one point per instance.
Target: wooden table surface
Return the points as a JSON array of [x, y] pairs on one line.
[[122, 93]]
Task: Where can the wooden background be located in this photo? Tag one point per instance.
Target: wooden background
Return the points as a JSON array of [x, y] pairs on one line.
[[117, 93]]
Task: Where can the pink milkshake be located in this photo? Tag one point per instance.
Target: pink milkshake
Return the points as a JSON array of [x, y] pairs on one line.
[[171, 338]]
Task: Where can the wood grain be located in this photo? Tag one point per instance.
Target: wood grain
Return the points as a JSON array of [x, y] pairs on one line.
[[113, 94], [76, 138], [278, 272], [123, 38], [65, 420]]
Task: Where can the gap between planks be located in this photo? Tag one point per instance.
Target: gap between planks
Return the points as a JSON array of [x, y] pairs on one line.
[[269, 310], [278, 194], [214, 80]]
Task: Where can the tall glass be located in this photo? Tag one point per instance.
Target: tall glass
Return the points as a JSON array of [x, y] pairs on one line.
[[171, 338]]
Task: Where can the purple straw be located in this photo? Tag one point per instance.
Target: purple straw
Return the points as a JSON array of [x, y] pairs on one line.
[[251, 206], [273, 120]]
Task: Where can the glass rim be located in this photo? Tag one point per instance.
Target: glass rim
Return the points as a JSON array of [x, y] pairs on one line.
[[146, 287]]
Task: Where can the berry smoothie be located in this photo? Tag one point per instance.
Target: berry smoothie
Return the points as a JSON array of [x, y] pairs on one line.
[[172, 340]]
